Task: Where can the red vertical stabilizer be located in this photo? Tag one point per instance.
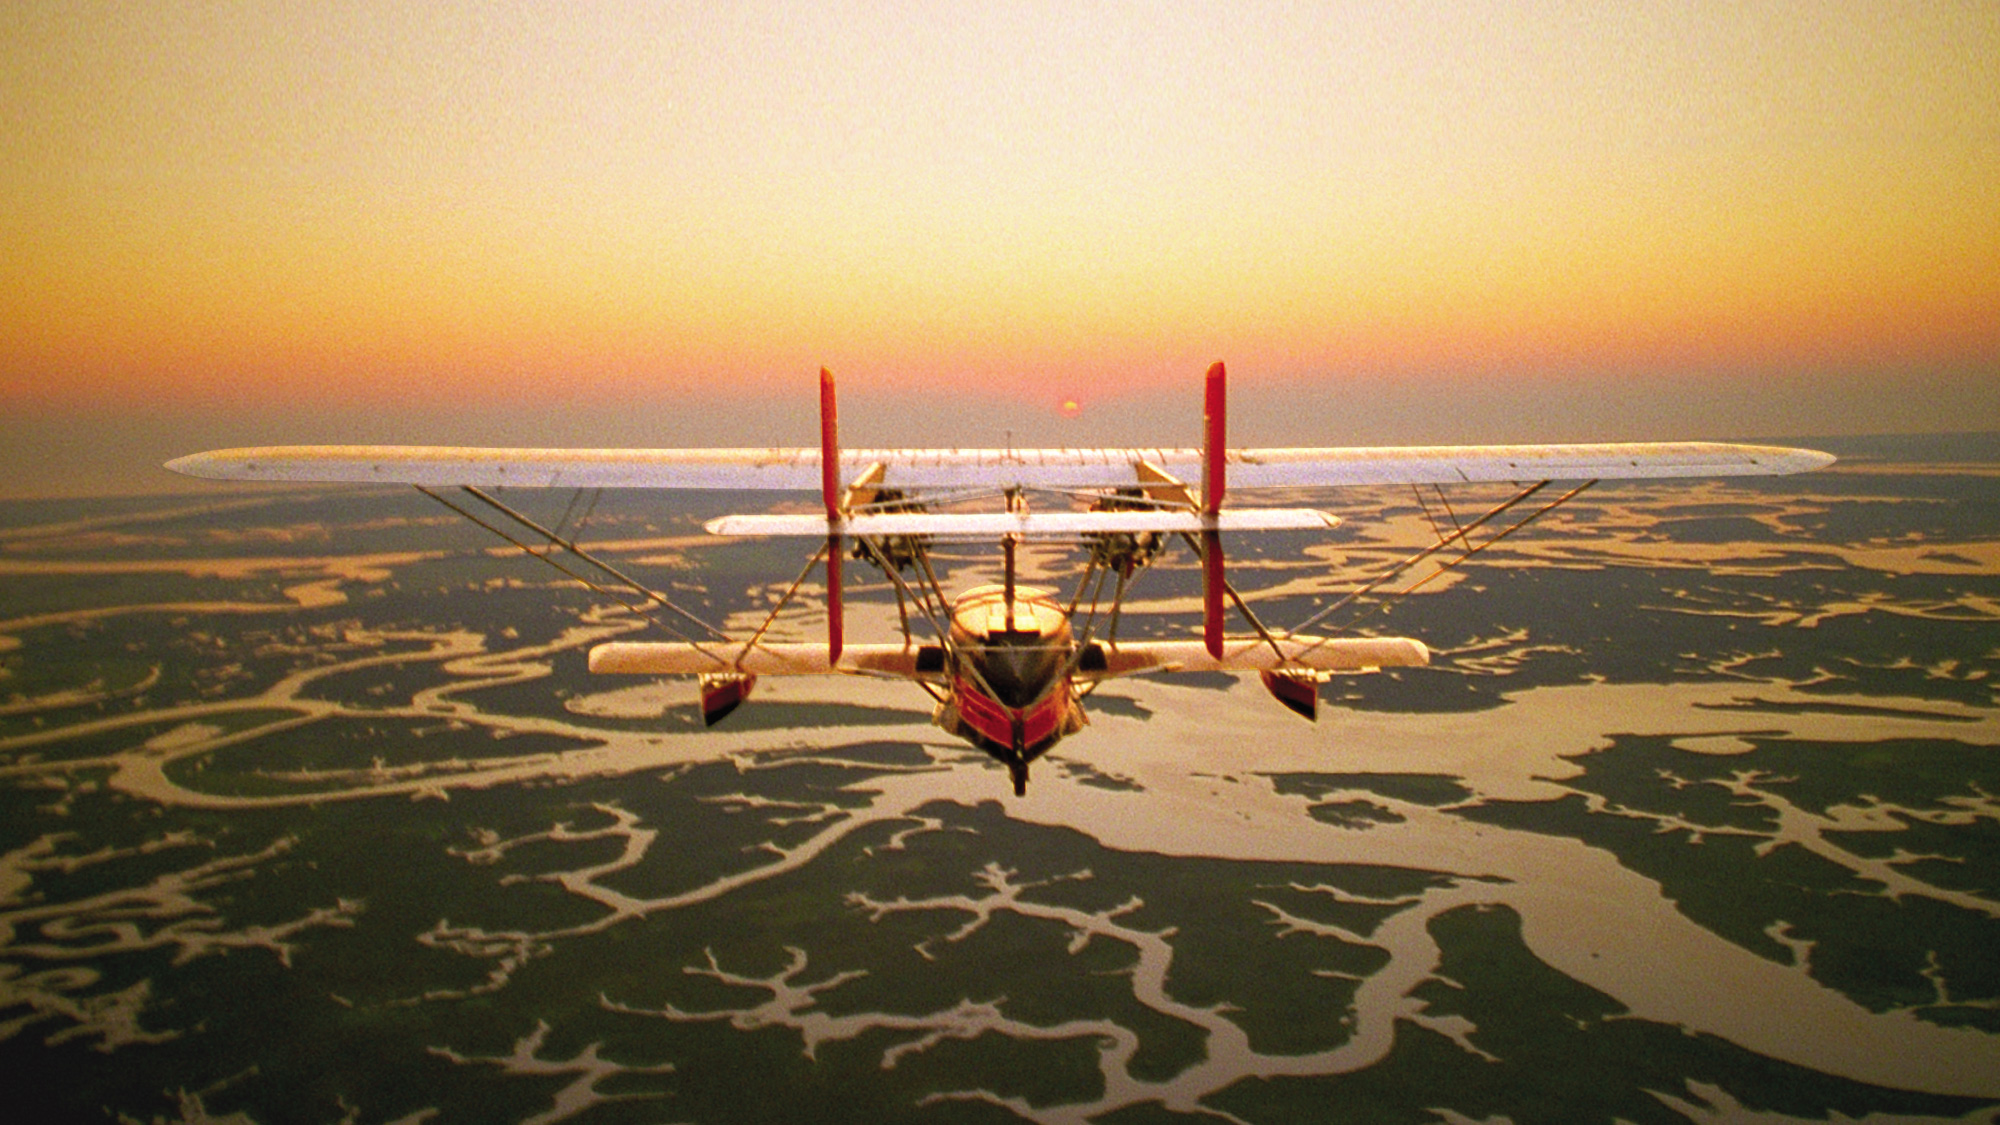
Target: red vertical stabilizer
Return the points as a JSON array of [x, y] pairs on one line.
[[829, 484], [1211, 592], [829, 445], [1214, 435]]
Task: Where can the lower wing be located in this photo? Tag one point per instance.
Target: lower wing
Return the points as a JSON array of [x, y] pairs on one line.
[[1096, 660]]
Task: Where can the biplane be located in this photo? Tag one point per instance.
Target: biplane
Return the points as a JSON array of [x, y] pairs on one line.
[[1008, 665]]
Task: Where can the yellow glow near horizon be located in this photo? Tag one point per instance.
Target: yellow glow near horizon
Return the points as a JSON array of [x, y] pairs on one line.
[[378, 202]]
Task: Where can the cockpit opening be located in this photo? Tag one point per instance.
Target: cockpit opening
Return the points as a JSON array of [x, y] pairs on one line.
[[1017, 652], [1019, 668]]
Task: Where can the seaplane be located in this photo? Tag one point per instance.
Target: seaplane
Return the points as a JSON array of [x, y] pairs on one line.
[[1008, 665]]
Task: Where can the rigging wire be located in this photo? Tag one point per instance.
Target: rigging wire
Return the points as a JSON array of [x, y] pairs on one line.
[[1397, 571], [782, 600], [572, 548], [1242, 606], [637, 610], [1382, 606]]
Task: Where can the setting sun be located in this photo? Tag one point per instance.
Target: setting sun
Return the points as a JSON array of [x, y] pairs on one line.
[[372, 214]]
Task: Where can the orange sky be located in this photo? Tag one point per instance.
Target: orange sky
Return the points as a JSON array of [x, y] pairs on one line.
[[337, 210]]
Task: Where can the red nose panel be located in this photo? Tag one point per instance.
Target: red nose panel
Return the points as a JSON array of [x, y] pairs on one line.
[[995, 722]]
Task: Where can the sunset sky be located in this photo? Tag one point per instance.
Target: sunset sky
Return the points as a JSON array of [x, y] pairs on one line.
[[651, 224]]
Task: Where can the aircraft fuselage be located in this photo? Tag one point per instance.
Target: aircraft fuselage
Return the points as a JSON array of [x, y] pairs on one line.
[[1011, 688]]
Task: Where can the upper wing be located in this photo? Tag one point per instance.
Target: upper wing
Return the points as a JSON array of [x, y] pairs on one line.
[[446, 465], [798, 469], [1467, 464]]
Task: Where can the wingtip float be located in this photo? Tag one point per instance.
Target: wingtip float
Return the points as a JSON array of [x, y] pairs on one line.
[[1008, 665]]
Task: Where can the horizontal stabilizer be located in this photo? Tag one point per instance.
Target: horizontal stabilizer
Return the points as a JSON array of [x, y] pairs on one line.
[[773, 659], [1253, 654], [989, 525]]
